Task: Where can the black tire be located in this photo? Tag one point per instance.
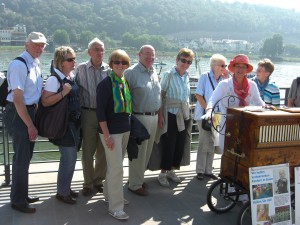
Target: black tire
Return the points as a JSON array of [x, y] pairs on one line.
[[219, 198], [244, 217]]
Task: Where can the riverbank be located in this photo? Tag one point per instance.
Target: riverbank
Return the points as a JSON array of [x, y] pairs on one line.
[[162, 54]]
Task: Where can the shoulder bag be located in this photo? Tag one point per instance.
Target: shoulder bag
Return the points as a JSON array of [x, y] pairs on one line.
[[206, 125], [52, 121]]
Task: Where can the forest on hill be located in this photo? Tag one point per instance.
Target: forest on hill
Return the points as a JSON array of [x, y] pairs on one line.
[[189, 19]]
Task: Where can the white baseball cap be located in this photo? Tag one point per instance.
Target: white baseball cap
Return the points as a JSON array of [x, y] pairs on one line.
[[37, 37]]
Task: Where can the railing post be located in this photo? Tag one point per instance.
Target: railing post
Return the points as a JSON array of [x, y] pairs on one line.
[[6, 155], [286, 95]]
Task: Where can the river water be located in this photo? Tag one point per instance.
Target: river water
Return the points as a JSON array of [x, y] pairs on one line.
[[283, 75]]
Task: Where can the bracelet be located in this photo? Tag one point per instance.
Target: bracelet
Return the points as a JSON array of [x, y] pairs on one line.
[[106, 139], [62, 95]]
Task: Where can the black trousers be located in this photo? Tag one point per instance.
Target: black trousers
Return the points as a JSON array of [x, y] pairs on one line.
[[173, 144]]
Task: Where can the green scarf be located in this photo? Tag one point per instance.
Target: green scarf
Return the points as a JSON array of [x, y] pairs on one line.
[[122, 99]]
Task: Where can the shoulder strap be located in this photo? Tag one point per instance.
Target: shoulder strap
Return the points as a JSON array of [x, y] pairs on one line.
[[210, 81], [22, 60], [59, 80]]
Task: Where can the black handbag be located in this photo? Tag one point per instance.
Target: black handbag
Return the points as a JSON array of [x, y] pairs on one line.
[[52, 121], [206, 125]]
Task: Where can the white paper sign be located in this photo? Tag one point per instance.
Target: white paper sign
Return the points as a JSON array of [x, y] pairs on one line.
[[270, 195], [297, 196]]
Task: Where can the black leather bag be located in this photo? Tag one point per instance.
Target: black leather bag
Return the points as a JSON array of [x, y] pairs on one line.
[[52, 121], [206, 125]]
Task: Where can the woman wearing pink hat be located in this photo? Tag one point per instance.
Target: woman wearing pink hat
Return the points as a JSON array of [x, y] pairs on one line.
[[245, 91]]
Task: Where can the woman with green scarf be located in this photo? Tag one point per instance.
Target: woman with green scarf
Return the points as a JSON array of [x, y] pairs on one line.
[[113, 113]]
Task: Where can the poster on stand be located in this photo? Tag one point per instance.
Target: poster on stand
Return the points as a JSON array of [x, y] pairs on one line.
[[270, 195], [297, 196]]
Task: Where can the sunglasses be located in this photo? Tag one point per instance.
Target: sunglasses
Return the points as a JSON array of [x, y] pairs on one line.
[[186, 61], [122, 62], [70, 59]]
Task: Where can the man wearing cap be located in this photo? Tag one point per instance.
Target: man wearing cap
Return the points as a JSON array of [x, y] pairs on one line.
[[243, 90], [25, 86]]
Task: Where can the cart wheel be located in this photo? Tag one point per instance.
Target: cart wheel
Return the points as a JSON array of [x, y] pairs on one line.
[[244, 217], [221, 196]]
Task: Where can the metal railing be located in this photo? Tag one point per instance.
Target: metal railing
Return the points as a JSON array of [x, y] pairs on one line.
[[52, 154]]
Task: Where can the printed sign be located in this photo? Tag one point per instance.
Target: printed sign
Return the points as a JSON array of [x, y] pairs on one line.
[[270, 195]]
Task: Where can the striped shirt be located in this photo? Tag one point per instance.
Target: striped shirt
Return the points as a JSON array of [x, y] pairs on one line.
[[177, 88], [87, 78], [269, 94]]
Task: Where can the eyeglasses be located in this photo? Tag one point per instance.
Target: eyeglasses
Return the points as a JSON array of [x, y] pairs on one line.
[[39, 45], [122, 62], [186, 61], [70, 59], [223, 66]]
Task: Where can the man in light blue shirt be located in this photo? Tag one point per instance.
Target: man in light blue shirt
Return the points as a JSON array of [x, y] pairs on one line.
[[25, 87]]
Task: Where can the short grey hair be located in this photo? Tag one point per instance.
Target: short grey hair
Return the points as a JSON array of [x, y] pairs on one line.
[[216, 58], [95, 40]]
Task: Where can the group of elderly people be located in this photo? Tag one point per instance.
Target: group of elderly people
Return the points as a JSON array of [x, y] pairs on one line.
[[102, 97]]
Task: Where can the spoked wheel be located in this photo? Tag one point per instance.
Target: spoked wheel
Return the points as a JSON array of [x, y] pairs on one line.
[[244, 217], [221, 196]]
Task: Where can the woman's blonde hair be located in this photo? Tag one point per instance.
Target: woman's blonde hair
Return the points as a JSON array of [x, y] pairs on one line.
[[60, 55]]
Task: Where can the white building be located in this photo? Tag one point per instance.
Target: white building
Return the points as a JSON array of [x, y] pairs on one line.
[[14, 36]]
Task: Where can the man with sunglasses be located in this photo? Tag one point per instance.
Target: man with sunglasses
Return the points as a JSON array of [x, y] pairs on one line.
[[88, 75], [145, 90], [25, 85]]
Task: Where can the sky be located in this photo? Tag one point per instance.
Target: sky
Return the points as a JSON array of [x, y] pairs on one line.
[[287, 4]]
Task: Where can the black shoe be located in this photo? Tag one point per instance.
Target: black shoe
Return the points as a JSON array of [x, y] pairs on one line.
[[212, 176], [86, 191], [24, 208], [99, 187], [74, 194], [67, 199], [200, 176], [32, 199]]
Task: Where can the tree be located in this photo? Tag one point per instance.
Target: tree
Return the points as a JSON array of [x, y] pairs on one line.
[[85, 38], [61, 37], [273, 47]]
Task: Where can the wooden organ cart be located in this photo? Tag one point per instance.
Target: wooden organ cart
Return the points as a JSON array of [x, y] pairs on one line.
[[253, 139]]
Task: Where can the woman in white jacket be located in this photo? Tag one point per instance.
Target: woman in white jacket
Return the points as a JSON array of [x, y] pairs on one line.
[[245, 92]]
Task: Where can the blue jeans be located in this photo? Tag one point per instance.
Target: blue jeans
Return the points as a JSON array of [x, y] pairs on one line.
[[23, 150], [68, 156]]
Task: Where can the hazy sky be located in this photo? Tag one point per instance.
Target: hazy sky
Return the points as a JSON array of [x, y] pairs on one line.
[[288, 4]]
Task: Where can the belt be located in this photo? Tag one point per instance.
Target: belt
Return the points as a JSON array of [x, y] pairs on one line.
[[146, 113], [87, 108], [28, 106], [31, 106]]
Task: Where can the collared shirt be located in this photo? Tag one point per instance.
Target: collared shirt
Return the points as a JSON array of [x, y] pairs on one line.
[[269, 93], [144, 88], [178, 87], [18, 78], [87, 78], [52, 84], [205, 89]]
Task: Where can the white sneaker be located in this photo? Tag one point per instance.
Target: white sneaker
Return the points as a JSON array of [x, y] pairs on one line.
[[162, 179], [172, 176], [126, 202], [119, 215]]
